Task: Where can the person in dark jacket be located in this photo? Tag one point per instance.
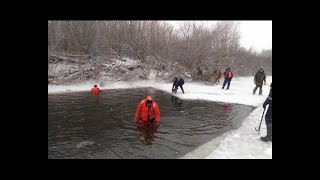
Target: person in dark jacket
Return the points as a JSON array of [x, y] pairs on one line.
[[177, 82], [268, 116], [258, 80], [228, 75]]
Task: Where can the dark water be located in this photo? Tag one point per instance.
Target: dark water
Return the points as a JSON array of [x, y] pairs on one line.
[[81, 125]]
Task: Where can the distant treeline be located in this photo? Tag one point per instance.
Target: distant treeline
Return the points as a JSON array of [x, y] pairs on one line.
[[191, 46]]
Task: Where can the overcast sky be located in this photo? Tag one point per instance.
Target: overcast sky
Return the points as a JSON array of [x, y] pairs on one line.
[[255, 34]]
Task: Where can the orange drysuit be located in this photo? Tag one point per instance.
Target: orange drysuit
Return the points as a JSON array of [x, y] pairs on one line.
[[95, 90], [147, 112]]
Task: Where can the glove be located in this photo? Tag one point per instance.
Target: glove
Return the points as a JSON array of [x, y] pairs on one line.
[[153, 120]]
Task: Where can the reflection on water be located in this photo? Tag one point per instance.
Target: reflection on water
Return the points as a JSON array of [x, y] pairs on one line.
[[81, 125], [146, 133], [177, 103]]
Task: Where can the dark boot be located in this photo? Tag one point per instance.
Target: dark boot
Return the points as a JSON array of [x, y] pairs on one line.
[[268, 137], [182, 89], [224, 83], [254, 90], [260, 91], [228, 84]]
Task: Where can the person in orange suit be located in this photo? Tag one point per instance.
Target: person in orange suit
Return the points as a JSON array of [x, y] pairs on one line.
[[147, 112], [95, 90]]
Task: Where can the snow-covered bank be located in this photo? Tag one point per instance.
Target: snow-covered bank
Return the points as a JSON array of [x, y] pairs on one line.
[[245, 143], [241, 143], [240, 90]]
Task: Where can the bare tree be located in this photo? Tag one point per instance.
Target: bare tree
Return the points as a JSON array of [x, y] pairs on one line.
[[157, 45]]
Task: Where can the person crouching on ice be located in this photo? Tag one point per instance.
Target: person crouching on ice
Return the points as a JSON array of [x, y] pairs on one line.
[[177, 82]]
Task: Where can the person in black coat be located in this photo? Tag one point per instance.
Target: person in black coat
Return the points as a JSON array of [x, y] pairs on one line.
[[268, 116], [259, 78], [177, 82]]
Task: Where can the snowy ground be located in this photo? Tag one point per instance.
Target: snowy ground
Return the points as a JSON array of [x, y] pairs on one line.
[[237, 144]]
